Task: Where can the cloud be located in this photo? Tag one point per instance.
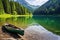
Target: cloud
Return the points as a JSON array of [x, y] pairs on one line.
[[36, 2]]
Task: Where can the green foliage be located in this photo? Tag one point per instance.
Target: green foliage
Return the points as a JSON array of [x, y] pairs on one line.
[[14, 13], [1, 7], [21, 10], [12, 7], [6, 5]]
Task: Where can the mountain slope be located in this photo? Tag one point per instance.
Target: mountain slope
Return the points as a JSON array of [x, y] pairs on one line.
[[52, 7], [25, 4]]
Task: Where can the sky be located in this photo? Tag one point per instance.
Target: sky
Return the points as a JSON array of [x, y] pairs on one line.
[[36, 2]]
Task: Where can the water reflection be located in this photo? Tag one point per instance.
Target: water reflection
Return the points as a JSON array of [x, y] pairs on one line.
[[38, 32], [51, 23], [18, 21]]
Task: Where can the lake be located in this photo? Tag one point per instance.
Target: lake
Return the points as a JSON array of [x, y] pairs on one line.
[[51, 23]]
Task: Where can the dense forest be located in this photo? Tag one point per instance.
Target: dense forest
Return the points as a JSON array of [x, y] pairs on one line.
[[12, 7], [52, 7]]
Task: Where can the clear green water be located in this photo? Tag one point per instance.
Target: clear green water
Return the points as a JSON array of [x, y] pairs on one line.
[[51, 23], [22, 22]]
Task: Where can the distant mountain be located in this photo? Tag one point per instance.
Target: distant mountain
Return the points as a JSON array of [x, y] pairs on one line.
[[27, 5], [52, 7], [34, 7], [24, 3]]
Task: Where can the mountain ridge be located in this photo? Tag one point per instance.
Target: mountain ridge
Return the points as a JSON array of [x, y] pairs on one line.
[[27, 5], [52, 7]]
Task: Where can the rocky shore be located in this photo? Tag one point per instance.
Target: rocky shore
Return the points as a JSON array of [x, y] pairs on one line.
[[33, 32], [8, 36]]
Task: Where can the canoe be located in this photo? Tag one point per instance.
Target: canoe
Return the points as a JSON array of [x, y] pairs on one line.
[[13, 29]]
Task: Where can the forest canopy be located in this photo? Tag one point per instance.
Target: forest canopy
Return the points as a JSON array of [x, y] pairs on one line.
[[12, 7]]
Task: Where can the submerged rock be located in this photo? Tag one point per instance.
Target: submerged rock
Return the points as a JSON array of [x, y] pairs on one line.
[[33, 32], [37, 32]]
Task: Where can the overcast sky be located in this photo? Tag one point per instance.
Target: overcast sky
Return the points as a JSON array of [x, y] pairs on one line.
[[36, 2]]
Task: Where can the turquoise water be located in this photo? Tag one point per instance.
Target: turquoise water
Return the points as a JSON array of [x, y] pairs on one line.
[[51, 23]]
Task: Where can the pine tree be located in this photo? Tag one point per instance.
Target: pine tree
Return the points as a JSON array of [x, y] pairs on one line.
[[1, 7], [13, 7], [18, 8], [6, 5]]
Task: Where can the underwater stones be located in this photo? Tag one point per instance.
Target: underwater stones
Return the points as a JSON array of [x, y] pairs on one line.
[[37, 32]]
